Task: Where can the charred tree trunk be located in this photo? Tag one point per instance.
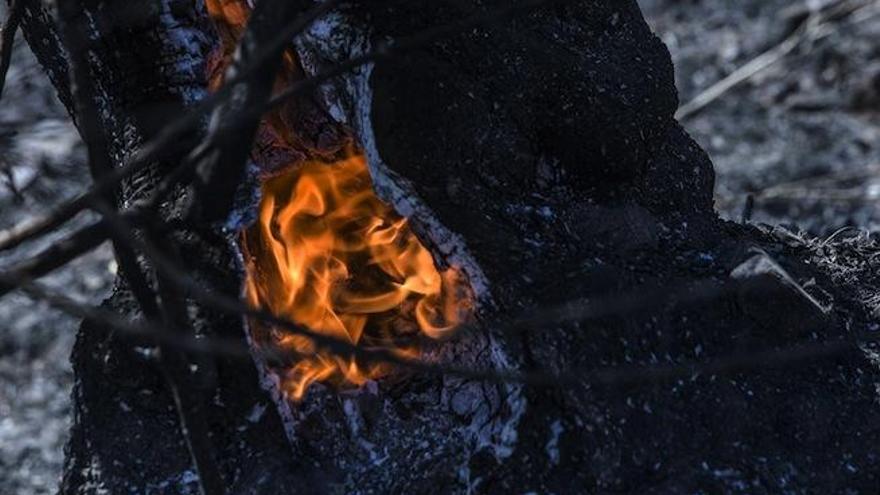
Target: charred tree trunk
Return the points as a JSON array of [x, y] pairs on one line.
[[539, 154], [149, 61]]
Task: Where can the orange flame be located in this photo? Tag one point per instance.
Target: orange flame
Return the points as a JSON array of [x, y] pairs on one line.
[[327, 253]]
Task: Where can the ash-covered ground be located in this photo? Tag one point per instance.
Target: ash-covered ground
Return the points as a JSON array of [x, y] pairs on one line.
[[801, 137]]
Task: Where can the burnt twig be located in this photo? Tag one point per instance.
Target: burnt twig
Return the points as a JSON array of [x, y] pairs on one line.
[[612, 376], [187, 398], [168, 142], [53, 257], [815, 25], [7, 38], [233, 125]]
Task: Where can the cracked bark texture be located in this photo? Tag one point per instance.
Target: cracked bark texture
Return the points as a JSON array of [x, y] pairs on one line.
[[539, 154], [149, 63]]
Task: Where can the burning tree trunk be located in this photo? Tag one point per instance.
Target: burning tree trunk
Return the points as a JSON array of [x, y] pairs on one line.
[[618, 335]]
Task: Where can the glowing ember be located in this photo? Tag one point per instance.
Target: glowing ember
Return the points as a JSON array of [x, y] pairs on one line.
[[327, 253]]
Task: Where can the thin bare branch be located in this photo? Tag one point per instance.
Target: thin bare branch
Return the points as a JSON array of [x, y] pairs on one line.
[[633, 301], [612, 376], [816, 25], [188, 400], [168, 143], [424, 38], [573, 311], [53, 257], [233, 125], [7, 38], [701, 292]]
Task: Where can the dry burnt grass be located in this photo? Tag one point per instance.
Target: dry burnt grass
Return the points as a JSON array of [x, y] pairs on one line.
[[800, 136]]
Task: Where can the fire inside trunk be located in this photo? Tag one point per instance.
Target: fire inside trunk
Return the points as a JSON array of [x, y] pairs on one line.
[[327, 253]]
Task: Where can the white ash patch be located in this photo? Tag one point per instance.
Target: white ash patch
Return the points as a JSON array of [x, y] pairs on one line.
[[552, 447], [185, 483], [257, 413]]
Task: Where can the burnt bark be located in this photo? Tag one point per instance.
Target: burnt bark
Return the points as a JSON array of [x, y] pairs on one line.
[[148, 63], [539, 154], [548, 144]]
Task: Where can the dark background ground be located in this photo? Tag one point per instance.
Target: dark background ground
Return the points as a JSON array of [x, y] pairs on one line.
[[803, 138]]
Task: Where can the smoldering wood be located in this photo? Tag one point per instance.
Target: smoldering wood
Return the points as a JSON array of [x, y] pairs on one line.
[[541, 156], [221, 173]]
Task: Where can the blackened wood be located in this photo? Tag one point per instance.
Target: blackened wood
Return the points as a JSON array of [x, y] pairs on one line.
[[54, 256], [233, 125], [547, 144], [148, 61], [173, 363]]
